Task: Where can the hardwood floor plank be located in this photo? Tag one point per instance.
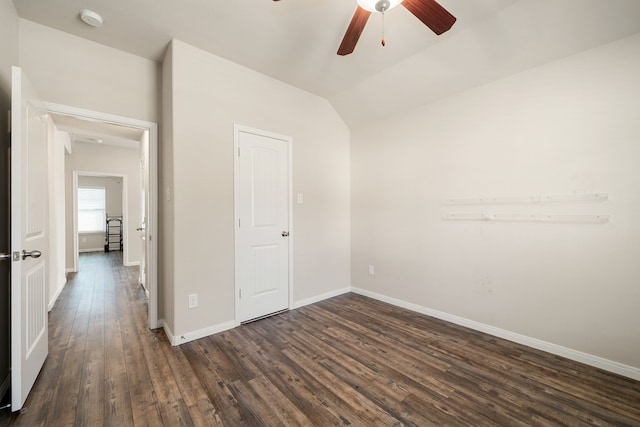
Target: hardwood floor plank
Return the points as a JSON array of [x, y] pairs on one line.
[[65, 398], [229, 361], [141, 392], [283, 408], [251, 402], [302, 389], [368, 412], [217, 390], [349, 367], [90, 409], [173, 409], [383, 366], [117, 404], [201, 409], [175, 413]]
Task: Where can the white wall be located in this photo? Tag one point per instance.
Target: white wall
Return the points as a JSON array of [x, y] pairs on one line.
[[8, 44], [73, 71], [108, 160], [91, 242], [567, 127], [57, 141], [210, 94]]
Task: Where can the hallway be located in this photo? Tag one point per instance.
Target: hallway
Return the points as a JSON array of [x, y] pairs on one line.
[[103, 360]]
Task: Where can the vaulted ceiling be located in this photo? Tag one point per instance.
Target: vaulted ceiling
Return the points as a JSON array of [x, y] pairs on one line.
[[296, 41]]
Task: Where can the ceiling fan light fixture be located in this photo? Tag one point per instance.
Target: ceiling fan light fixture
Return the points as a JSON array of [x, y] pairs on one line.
[[378, 5]]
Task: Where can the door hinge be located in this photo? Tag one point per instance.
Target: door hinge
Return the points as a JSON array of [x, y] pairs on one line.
[[238, 151], [238, 222], [240, 293]]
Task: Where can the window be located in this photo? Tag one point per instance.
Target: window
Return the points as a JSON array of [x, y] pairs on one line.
[[91, 210]]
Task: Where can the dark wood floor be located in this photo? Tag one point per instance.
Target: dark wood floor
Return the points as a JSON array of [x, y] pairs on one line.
[[349, 360]]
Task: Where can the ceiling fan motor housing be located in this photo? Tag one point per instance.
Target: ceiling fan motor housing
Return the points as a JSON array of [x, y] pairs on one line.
[[383, 5], [378, 5]]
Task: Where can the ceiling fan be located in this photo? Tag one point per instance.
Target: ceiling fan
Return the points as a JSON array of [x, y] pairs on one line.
[[429, 12]]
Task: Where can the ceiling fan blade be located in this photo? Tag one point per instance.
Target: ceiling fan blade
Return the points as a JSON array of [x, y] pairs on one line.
[[360, 18], [431, 14]]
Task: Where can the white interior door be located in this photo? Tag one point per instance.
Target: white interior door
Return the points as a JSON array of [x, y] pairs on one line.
[[262, 227], [29, 332]]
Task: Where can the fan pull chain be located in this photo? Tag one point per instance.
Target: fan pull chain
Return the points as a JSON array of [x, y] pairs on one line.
[[382, 41]]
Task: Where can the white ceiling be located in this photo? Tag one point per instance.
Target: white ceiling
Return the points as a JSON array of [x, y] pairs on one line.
[[296, 41], [83, 131]]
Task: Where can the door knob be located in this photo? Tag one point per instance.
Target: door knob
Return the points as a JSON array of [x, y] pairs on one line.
[[32, 254], [5, 256], [140, 229], [285, 233]]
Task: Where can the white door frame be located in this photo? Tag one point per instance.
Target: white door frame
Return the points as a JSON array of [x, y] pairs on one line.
[[237, 128], [152, 217], [125, 212]]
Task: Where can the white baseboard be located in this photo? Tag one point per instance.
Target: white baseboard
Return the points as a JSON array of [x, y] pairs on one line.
[[52, 303], [578, 356], [167, 332], [132, 264], [91, 250], [200, 333], [71, 270], [159, 324], [312, 300]]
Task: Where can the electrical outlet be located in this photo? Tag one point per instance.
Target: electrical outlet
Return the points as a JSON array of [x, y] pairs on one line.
[[193, 300], [371, 270]]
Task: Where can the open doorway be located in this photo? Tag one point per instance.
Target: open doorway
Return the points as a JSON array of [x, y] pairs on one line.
[[103, 138], [102, 215]]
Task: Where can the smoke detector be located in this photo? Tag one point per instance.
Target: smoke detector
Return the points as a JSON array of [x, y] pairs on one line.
[[91, 18]]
